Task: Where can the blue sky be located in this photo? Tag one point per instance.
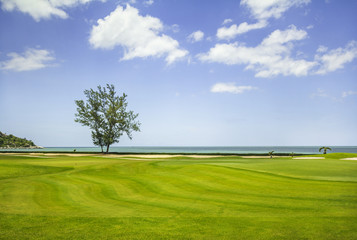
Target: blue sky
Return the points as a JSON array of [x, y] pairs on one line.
[[199, 73]]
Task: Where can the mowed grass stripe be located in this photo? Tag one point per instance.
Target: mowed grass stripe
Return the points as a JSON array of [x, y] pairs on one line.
[[202, 184], [190, 194]]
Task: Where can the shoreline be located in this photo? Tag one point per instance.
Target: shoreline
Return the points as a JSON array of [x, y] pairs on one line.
[[153, 153], [32, 147], [159, 156]]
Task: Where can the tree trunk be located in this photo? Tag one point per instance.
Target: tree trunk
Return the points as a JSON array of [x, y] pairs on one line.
[[101, 146], [107, 148]]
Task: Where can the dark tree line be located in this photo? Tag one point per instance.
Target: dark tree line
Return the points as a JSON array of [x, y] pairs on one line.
[[11, 141]]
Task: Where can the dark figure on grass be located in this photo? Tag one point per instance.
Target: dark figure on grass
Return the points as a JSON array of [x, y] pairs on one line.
[[106, 115]]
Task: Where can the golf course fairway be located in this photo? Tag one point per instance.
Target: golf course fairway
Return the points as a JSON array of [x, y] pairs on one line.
[[79, 196]]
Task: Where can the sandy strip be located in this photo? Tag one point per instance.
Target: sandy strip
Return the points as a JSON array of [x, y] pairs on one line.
[[66, 154], [354, 158], [131, 158], [263, 156], [150, 156], [6, 153], [308, 158], [24, 155]]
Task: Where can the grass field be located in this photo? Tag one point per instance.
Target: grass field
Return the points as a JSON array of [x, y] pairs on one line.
[[121, 197]]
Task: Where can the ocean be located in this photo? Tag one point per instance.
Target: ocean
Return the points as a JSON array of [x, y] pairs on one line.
[[201, 150]]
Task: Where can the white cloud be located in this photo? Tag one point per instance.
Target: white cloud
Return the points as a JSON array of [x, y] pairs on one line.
[[234, 30], [261, 11], [322, 49], [41, 9], [124, 2], [270, 58], [226, 21], [230, 88], [335, 58], [149, 2], [348, 93], [31, 59], [138, 35], [271, 8], [175, 28], [320, 93], [196, 36]]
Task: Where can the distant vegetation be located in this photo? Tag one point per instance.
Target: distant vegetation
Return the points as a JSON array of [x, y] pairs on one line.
[[11, 141]]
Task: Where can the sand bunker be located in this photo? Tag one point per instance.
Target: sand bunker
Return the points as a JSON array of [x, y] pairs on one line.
[[354, 158], [25, 155], [156, 156], [263, 156], [67, 154]]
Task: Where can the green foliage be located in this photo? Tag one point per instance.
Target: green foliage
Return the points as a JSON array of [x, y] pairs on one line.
[[106, 115], [325, 149], [271, 154], [10, 141]]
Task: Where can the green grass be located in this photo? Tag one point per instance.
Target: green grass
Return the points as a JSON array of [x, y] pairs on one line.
[[94, 197]]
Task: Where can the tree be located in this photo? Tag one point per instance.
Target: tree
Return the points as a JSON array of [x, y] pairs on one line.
[[106, 115], [325, 149], [271, 154], [292, 154]]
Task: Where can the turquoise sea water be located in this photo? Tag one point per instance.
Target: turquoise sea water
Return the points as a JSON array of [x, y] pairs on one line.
[[238, 150]]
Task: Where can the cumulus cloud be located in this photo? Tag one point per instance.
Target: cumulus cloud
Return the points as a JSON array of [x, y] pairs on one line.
[[270, 58], [335, 58], [271, 9], [273, 56], [41, 9], [31, 59], [230, 88], [226, 21], [234, 30], [261, 11], [322, 49], [196, 36], [140, 36]]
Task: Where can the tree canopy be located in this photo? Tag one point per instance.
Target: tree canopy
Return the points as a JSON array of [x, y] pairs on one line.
[[106, 114], [325, 149], [11, 141]]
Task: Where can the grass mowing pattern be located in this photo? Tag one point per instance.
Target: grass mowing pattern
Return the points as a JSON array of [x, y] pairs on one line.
[[63, 197]]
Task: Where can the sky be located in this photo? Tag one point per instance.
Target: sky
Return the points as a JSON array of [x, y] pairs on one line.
[[199, 73]]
